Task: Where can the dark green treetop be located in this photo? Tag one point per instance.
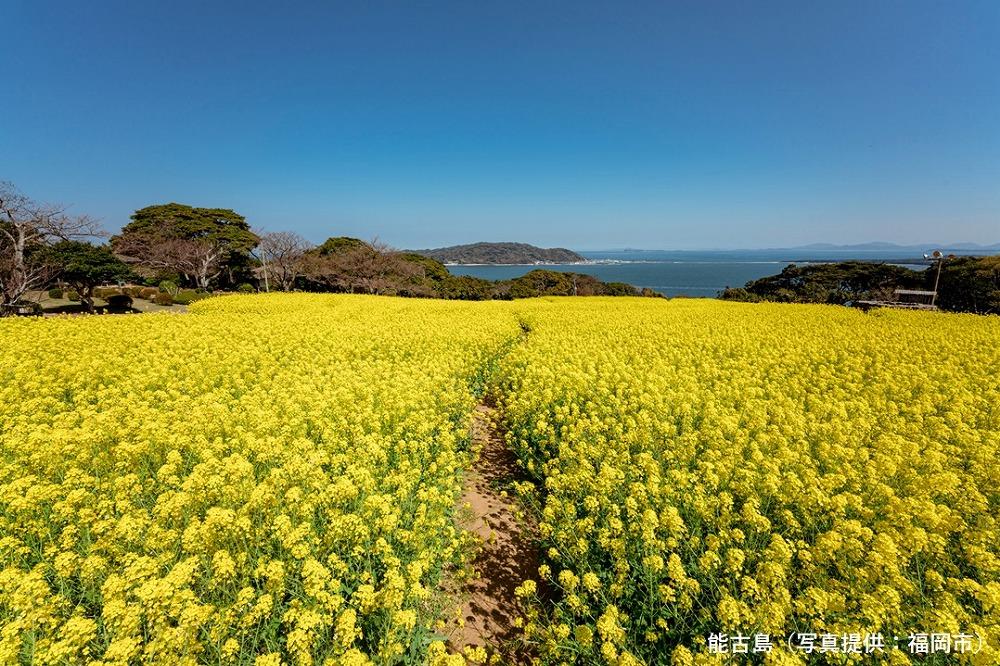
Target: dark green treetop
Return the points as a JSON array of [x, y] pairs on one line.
[[85, 266], [182, 222]]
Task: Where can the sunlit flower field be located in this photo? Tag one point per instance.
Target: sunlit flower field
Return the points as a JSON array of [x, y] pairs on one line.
[[263, 480], [704, 467], [272, 479]]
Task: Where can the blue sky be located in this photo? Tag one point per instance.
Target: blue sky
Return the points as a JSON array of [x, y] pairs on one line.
[[587, 125]]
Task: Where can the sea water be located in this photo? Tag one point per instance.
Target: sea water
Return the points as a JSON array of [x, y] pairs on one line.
[[682, 273]]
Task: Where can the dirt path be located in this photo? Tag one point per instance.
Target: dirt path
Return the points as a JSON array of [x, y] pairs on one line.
[[508, 556]]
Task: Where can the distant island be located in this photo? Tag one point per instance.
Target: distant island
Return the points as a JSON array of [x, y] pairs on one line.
[[501, 253]]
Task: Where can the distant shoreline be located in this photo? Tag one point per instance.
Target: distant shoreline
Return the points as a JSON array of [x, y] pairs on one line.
[[605, 262]]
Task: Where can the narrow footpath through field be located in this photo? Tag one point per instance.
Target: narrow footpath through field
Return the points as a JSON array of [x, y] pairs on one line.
[[509, 553]]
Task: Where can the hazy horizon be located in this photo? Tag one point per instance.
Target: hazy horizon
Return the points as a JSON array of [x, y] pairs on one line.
[[820, 245], [586, 125]]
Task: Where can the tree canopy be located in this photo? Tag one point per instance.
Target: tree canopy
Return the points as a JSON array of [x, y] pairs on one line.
[[970, 284], [174, 220], [196, 243], [84, 266], [829, 283]]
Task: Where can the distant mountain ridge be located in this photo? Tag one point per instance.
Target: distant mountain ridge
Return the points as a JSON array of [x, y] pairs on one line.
[[501, 253], [877, 246]]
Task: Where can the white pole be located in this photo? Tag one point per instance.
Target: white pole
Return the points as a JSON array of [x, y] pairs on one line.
[[937, 279]]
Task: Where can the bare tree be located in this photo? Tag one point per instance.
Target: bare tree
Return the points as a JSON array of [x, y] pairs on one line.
[[369, 268], [26, 227], [198, 260], [281, 257]]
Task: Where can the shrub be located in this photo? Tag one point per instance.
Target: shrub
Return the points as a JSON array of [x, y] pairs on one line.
[[168, 287], [119, 302], [73, 296], [147, 293], [55, 293], [185, 297], [189, 296], [246, 289], [163, 298]]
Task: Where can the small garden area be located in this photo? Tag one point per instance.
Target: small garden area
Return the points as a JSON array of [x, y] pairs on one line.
[[117, 299]]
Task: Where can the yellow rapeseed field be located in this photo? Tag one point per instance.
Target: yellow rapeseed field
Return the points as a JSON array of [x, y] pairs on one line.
[[264, 480], [708, 467], [272, 479]]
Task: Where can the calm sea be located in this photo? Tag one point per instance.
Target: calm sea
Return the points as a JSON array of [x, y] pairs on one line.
[[681, 273]]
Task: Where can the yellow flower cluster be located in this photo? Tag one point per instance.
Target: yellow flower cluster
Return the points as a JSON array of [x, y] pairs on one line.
[[271, 480], [714, 467], [266, 480]]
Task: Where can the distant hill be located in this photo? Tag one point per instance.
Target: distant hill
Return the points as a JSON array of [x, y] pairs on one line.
[[343, 264], [501, 253]]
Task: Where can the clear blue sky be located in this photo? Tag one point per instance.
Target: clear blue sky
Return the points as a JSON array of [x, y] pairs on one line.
[[588, 125]]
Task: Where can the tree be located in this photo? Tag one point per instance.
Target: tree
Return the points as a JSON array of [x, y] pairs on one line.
[[84, 266], [198, 243], [969, 284], [26, 228], [352, 265], [466, 288], [835, 283], [280, 254]]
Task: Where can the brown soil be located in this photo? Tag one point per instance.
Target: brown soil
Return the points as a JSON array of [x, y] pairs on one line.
[[508, 555]]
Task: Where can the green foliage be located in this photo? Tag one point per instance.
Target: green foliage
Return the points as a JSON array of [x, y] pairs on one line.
[[434, 270], [623, 289], [163, 298], [179, 221], [969, 284], [739, 294], [189, 296], [829, 283], [465, 287], [200, 244], [55, 293], [339, 244], [246, 289], [84, 265], [542, 283], [73, 296], [186, 297], [168, 287]]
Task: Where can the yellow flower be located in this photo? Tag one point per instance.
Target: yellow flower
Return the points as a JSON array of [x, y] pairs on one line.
[[286, 466]]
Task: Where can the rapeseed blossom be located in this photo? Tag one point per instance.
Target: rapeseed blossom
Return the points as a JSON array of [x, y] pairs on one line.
[[709, 467], [265, 480], [272, 479]]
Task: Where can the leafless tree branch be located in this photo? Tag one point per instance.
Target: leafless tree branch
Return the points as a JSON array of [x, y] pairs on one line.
[[26, 226]]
